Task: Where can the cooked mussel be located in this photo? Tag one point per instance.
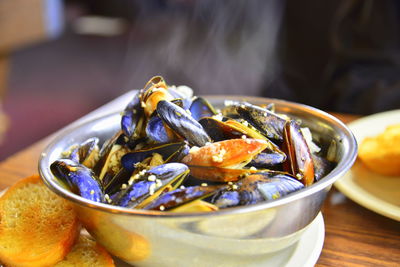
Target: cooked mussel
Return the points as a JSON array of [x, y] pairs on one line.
[[300, 164], [86, 153], [322, 166], [79, 178], [257, 187], [148, 184], [131, 117], [182, 123], [159, 132], [267, 122], [182, 196], [201, 108], [220, 129], [167, 150], [154, 91], [268, 159]]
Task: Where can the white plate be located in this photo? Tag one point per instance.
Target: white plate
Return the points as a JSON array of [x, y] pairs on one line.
[[304, 252], [378, 193]]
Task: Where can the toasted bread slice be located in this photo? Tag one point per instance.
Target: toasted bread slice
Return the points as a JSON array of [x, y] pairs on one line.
[[37, 228], [87, 253], [381, 153]]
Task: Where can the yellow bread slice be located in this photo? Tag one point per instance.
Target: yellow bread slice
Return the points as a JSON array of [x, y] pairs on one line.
[[381, 153], [37, 228], [87, 253]]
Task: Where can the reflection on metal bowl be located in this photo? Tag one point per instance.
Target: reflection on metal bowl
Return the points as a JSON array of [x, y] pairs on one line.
[[155, 238]]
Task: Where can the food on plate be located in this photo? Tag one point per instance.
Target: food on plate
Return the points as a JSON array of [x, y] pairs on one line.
[[177, 152], [86, 253], [37, 228], [381, 153]]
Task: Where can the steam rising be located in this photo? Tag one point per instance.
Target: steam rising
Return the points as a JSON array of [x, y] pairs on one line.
[[216, 47]]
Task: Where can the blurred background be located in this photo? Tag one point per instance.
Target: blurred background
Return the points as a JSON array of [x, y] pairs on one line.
[[61, 59]]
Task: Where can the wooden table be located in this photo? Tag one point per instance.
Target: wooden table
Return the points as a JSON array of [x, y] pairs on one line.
[[354, 236]]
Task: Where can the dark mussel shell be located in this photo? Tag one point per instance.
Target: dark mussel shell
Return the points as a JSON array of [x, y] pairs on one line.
[[268, 159], [178, 102], [277, 185], [226, 199], [185, 99], [159, 132], [219, 130], [112, 164], [201, 108], [166, 150], [124, 175], [117, 139], [322, 166], [179, 154], [148, 185], [182, 123], [79, 178], [131, 115], [267, 122], [86, 153], [181, 196], [300, 163], [230, 129], [256, 188], [114, 184]]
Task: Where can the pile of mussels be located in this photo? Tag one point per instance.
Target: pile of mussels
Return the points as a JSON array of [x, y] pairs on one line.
[[177, 152]]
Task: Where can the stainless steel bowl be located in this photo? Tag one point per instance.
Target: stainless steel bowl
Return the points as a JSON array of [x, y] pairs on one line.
[[230, 236]]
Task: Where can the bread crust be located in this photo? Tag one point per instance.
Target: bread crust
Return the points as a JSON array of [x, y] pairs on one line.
[[37, 228], [87, 253]]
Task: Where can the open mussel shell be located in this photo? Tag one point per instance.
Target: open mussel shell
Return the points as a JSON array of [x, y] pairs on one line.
[[112, 164], [114, 184], [226, 128], [156, 90], [182, 123], [149, 184], [117, 139], [86, 153], [276, 185], [182, 196], [158, 132], [256, 188], [267, 122], [182, 92], [79, 178], [89, 152], [218, 130], [131, 115], [201, 108], [322, 166], [154, 82], [167, 151], [123, 176], [300, 164], [268, 159]]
